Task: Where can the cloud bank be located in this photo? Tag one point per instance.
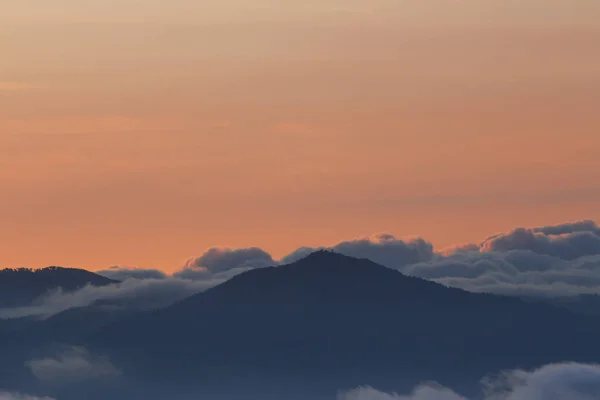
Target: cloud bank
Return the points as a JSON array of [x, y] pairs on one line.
[[558, 260], [225, 261], [551, 382], [549, 261], [73, 364]]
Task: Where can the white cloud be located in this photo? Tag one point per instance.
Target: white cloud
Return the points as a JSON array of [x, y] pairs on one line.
[[552, 382], [74, 364], [424, 392]]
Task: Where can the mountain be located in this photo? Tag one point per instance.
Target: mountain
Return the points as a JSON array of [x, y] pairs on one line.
[[330, 321], [22, 286], [21, 339]]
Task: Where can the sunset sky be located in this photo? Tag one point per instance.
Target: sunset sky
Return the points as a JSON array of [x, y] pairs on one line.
[[139, 133]]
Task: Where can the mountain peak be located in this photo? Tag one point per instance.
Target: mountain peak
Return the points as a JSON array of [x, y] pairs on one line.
[[325, 257], [329, 261], [322, 276], [324, 253]]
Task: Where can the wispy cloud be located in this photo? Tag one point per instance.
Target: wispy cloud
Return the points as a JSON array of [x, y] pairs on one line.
[[73, 364], [135, 294]]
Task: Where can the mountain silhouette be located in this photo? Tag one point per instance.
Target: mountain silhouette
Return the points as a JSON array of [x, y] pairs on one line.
[[23, 285], [329, 321]]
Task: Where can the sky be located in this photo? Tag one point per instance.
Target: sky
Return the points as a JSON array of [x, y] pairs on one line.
[[141, 133]]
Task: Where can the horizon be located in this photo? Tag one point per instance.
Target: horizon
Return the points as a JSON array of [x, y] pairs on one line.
[[375, 239], [545, 261]]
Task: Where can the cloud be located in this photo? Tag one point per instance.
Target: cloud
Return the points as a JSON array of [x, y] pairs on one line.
[[19, 396], [547, 261], [225, 261], [565, 245], [384, 249], [552, 382], [123, 273], [136, 294], [558, 260], [424, 392], [73, 364], [513, 273], [572, 227]]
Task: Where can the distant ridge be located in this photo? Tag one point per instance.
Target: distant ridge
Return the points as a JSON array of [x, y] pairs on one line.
[[20, 286]]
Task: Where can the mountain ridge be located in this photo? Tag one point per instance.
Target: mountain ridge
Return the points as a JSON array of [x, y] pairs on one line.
[[336, 319], [21, 286]]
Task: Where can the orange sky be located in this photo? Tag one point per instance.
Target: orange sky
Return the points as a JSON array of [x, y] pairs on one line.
[[140, 133]]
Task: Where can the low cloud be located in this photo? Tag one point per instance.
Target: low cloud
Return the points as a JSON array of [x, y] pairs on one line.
[[552, 382], [122, 273], [549, 261], [73, 364], [222, 260], [136, 294], [18, 396], [424, 392], [560, 260], [567, 242], [513, 273]]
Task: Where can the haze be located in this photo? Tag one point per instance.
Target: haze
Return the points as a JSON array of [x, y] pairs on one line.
[[141, 133]]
